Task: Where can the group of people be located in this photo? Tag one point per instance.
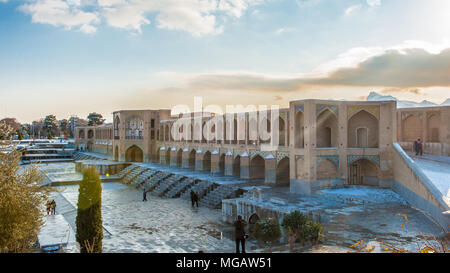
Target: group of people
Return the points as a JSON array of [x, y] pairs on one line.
[[418, 147], [194, 198], [51, 207]]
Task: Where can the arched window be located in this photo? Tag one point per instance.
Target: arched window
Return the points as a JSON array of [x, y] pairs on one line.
[[116, 128], [134, 128]]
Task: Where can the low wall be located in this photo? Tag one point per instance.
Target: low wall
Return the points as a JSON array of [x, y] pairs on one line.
[[309, 187], [413, 185], [428, 148]]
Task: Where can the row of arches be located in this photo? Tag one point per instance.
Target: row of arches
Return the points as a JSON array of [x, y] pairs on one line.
[[256, 166], [362, 130], [216, 132], [361, 172], [413, 127]]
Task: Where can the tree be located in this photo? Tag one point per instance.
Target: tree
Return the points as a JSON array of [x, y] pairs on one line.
[[12, 122], [296, 224], [21, 200], [89, 217], [64, 127], [268, 231], [50, 124], [95, 119]]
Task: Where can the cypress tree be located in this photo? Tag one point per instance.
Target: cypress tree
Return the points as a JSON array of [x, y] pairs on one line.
[[89, 217]]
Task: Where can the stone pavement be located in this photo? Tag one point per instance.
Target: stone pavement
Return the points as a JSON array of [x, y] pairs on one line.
[[159, 225]]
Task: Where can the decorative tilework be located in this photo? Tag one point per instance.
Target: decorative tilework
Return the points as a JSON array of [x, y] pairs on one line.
[[297, 157], [374, 158], [299, 108], [322, 107], [373, 109], [333, 158], [263, 154], [281, 155]]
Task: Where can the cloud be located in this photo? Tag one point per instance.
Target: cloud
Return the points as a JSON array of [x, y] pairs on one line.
[[352, 9], [373, 3], [413, 67], [198, 17], [61, 13], [396, 69], [284, 30]]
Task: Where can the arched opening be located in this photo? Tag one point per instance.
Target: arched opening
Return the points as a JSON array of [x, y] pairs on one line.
[[134, 154], [257, 168], [327, 129], [192, 159], [299, 130], [158, 155], [363, 172], [222, 163], [90, 134], [327, 169], [81, 134], [116, 153], [412, 128], [235, 134], [134, 128], [433, 128], [268, 129], [168, 156], [179, 157], [237, 166], [283, 175], [281, 132], [207, 161], [166, 133], [116, 128], [363, 130]]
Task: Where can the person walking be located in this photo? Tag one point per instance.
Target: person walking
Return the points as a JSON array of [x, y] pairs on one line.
[[53, 207], [416, 146], [48, 207], [239, 233], [144, 194], [195, 199], [420, 145]]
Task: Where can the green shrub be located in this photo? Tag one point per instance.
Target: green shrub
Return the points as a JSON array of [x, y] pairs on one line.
[[268, 231], [89, 217]]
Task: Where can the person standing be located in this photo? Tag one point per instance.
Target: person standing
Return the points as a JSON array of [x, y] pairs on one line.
[[239, 233], [420, 144], [192, 197], [53, 207], [48, 205], [416, 146], [144, 194]]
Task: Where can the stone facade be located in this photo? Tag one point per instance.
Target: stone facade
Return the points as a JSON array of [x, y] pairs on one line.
[[430, 124], [322, 143]]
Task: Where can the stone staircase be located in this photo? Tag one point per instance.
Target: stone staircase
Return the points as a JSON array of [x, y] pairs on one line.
[[213, 199], [83, 156], [129, 177], [141, 178], [153, 181], [125, 171], [165, 184], [202, 188], [180, 188]]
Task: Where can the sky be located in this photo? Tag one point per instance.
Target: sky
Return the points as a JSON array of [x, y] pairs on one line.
[[73, 57]]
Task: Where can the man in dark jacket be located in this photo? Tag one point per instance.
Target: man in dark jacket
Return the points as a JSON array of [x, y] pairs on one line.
[[144, 196], [239, 233], [416, 147]]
